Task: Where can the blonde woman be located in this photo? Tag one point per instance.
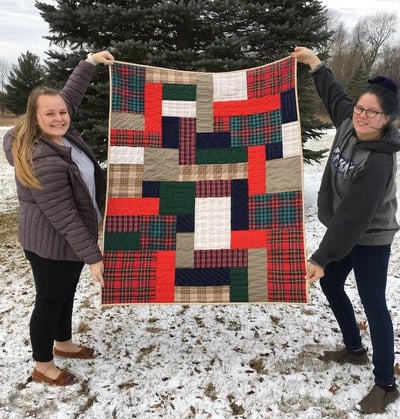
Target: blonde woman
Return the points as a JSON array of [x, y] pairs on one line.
[[60, 187]]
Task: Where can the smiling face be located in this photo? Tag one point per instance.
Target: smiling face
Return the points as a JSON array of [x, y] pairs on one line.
[[52, 116], [369, 128]]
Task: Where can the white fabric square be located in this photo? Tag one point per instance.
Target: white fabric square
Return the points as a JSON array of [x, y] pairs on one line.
[[126, 155], [291, 139], [230, 86], [212, 223], [182, 108]]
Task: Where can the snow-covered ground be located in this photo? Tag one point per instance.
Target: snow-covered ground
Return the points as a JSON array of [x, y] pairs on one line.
[[247, 361]]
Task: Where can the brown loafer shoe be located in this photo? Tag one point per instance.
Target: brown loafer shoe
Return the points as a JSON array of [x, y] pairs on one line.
[[342, 356], [83, 353], [377, 400], [65, 378]]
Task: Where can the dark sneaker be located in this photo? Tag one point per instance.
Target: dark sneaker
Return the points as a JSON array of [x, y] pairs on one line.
[[344, 356], [377, 400]]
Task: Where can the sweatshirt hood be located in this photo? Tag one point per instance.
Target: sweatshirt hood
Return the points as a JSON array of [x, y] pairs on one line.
[[389, 143]]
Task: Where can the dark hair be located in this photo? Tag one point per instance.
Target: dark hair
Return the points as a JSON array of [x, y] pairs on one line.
[[386, 90]]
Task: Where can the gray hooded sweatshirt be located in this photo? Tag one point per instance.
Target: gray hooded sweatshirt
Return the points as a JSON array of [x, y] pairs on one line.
[[357, 197]]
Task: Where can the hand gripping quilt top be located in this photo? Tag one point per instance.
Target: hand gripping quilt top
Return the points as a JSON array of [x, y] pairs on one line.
[[205, 187]]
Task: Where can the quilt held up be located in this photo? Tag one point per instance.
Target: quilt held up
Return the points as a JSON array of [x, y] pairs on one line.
[[205, 187]]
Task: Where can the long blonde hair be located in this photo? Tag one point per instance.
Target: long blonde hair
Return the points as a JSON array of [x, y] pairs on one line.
[[26, 133]]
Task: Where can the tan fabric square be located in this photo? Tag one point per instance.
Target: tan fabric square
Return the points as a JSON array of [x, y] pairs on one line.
[[213, 172], [164, 75], [185, 250], [161, 164], [212, 294], [284, 175], [204, 103], [184, 258], [257, 272], [127, 121], [125, 180], [185, 241]]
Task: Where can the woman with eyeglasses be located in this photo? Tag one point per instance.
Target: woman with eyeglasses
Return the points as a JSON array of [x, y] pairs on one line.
[[357, 203]]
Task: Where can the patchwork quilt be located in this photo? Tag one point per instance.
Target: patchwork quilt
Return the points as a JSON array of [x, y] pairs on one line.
[[205, 187]]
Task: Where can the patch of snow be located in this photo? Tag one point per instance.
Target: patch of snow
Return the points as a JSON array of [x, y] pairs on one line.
[[202, 361]]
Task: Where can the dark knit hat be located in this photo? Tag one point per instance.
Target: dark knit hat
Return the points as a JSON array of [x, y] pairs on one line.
[[385, 82]]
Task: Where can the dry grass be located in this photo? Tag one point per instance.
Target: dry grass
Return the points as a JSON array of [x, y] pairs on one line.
[[8, 226], [10, 247], [8, 120]]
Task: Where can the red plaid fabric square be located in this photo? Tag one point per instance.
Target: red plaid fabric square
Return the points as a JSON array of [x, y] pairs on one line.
[[131, 277], [134, 138], [187, 141], [285, 259], [269, 80]]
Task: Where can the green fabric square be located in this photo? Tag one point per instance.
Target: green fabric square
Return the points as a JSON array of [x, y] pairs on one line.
[[276, 121], [158, 233], [177, 198], [239, 285], [121, 241], [221, 155], [287, 215], [179, 92], [264, 217], [128, 89]]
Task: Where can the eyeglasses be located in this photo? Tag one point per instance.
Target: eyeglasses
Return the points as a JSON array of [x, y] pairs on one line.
[[371, 113]]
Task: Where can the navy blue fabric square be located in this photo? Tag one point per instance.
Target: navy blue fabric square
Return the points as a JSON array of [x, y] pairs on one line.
[[185, 224], [150, 189], [274, 151], [200, 277], [288, 106], [239, 204], [170, 132], [213, 139]]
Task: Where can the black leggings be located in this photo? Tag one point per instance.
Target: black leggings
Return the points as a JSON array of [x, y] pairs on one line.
[[51, 318]]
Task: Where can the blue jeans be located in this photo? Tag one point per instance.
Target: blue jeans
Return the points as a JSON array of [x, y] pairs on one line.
[[370, 265]]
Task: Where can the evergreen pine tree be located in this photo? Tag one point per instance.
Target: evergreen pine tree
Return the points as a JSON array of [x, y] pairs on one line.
[[22, 79], [357, 82], [199, 35]]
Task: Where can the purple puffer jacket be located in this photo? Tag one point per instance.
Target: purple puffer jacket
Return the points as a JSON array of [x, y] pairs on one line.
[[59, 220]]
